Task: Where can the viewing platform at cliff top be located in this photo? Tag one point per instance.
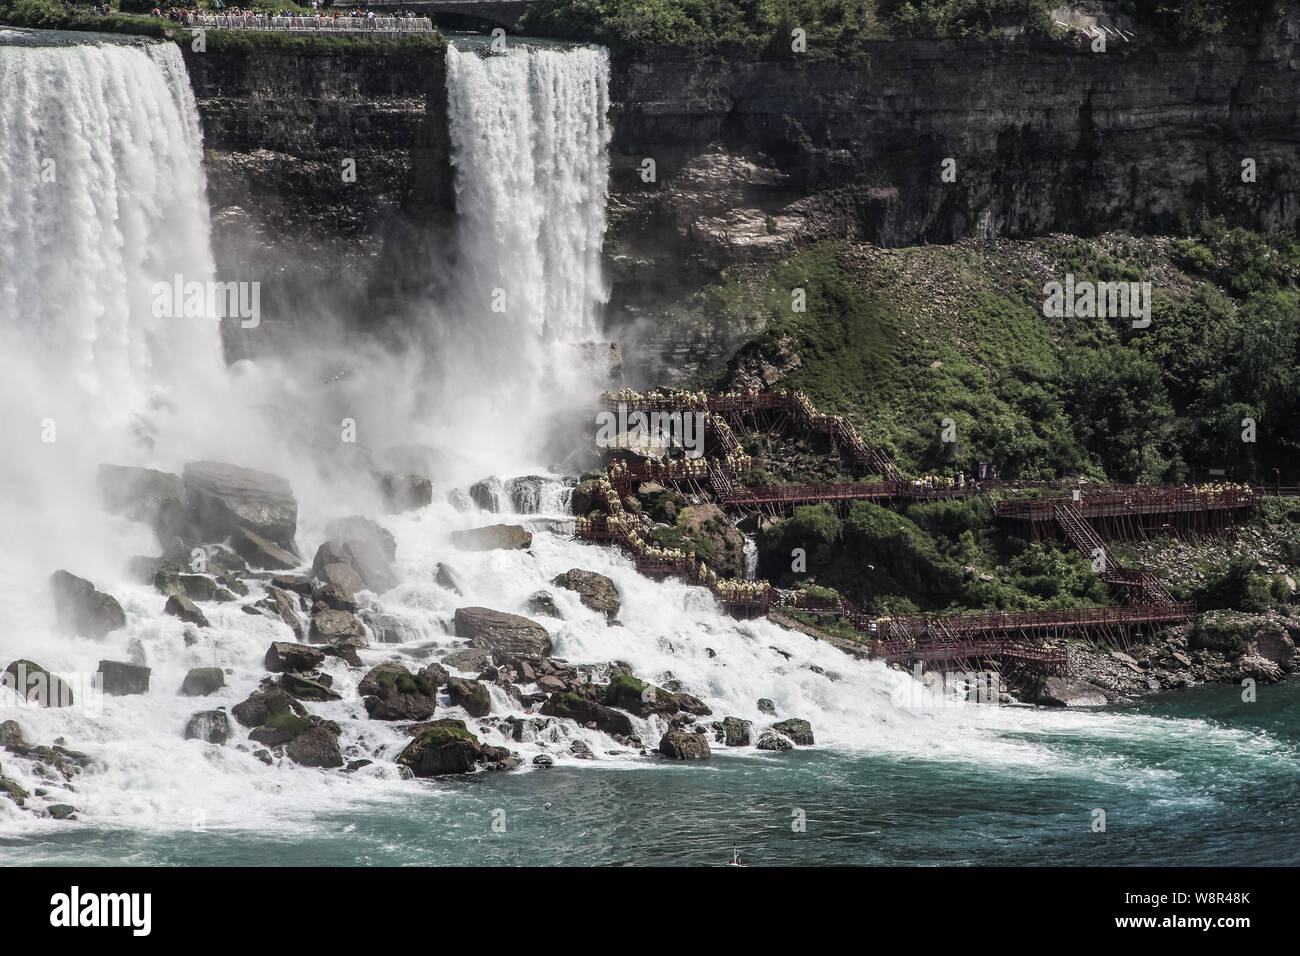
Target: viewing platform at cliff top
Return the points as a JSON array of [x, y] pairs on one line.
[[320, 23]]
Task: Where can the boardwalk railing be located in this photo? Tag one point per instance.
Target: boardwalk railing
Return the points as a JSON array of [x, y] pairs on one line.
[[310, 24]]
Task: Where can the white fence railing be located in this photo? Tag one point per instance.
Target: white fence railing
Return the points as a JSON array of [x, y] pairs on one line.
[[311, 24]]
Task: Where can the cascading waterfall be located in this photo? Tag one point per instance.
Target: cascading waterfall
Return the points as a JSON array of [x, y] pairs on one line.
[[530, 139], [103, 196]]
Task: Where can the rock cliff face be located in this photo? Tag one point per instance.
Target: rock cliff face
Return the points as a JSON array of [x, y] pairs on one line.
[[280, 132], [753, 159], [1045, 135]]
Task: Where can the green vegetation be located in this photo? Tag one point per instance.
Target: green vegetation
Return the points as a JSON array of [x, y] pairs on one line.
[[54, 15], [756, 27], [1051, 398], [763, 28]]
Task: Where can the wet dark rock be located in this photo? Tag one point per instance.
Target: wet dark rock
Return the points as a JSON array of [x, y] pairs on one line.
[[799, 731], [580, 750], [469, 694], [525, 493], [224, 498], [294, 583], [392, 692], [304, 687], [506, 537], [284, 656], [156, 498], [202, 681], [542, 603], [584, 711], [332, 597], [369, 549], [506, 635], [768, 740], [263, 706], [316, 746], [262, 553], [119, 679], [765, 706], [733, 732], [405, 492], [281, 606], [446, 578], [61, 811], [14, 791], [543, 761], [681, 745], [468, 659], [210, 726], [436, 675], [487, 494], [180, 606], [82, 610], [338, 627], [36, 685], [596, 591], [441, 747]]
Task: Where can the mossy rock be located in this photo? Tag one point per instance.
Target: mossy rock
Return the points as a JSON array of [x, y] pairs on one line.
[[441, 747], [280, 728]]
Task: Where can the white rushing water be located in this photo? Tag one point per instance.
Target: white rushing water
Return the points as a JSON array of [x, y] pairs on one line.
[[530, 138], [78, 256]]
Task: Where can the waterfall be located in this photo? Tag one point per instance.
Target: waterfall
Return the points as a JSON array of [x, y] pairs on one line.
[[529, 145], [103, 196]]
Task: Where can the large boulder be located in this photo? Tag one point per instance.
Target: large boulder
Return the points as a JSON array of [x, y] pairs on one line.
[[525, 493], [368, 548], [632, 694], [264, 706], [286, 656], [768, 740], [734, 732], [1070, 692], [405, 492], [337, 627], [36, 685], [494, 537], [392, 692], [156, 498], [596, 591], [317, 746], [202, 681], [505, 635], [313, 686], [178, 605], [584, 711], [798, 730], [469, 694], [681, 745], [262, 553], [278, 604], [118, 678], [487, 494], [441, 747], [224, 497], [82, 610], [210, 726]]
